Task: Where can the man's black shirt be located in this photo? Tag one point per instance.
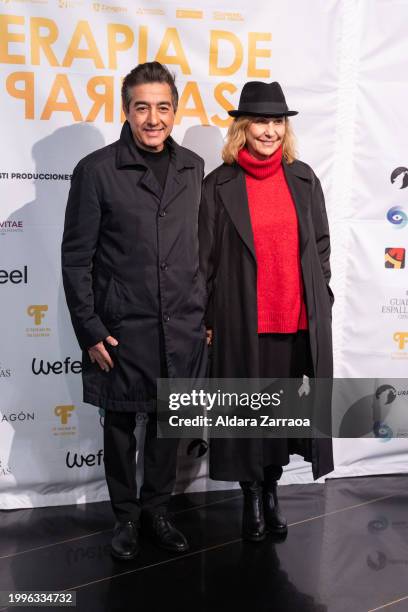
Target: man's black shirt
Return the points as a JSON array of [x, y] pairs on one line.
[[158, 163]]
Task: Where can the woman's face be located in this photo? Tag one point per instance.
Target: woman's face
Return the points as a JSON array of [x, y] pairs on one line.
[[264, 135]]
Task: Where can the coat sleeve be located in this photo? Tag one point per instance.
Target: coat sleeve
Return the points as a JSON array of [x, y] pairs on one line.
[[80, 238], [206, 237], [321, 227]]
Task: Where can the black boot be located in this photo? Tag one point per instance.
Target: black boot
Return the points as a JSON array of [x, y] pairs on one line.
[[164, 533], [274, 519], [125, 541], [253, 523]]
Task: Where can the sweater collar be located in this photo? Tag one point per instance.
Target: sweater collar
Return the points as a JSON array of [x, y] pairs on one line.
[[260, 169]]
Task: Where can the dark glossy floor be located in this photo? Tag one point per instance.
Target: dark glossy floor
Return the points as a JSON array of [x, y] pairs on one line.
[[347, 551]]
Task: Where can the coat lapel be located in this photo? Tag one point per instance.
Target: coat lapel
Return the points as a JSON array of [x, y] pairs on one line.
[[177, 179], [232, 190], [298, 180], [129, 157], [149, 182], [175, 184]]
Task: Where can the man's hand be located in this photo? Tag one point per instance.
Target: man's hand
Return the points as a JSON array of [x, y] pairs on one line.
[[209, 335], [99, 354]]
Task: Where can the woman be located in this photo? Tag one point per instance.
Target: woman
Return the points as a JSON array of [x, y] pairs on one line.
[[264, 252]]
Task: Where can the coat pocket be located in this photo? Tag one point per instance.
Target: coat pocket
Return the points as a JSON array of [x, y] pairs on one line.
[[112, 304]]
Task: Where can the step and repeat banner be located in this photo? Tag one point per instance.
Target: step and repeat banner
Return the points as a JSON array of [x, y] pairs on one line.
[[61, 65], [372, 331]]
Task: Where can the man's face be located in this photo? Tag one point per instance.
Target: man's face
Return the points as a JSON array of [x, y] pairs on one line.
[[151, 115]]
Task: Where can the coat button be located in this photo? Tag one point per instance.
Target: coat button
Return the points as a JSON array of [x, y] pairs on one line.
[[162, 213], [163, 265], [166, 318]]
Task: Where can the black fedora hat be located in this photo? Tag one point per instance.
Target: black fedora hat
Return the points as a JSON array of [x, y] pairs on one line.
[[262, 100]]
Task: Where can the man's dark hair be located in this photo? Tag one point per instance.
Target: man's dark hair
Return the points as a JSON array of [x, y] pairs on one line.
[[149, 72]]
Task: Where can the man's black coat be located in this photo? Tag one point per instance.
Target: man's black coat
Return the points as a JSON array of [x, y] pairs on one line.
[[130, 270]]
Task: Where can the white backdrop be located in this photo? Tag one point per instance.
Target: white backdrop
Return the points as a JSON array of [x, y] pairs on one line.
[[342, 65]]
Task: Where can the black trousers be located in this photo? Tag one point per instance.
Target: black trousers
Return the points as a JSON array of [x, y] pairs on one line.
[[160, 464]]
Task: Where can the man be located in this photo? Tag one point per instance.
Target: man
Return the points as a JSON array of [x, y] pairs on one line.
[[130, 271]]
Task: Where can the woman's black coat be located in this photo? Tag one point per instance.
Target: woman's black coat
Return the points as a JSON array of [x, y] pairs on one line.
[[227, 260], [131, 270]]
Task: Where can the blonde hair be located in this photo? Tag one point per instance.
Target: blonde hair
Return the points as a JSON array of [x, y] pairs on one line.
[[235, 140]]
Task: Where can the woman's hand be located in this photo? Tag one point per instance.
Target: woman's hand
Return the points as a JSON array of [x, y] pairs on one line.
[[209, 336]]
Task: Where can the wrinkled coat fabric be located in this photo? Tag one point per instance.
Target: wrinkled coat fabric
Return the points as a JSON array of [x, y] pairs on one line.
[[228, 263], [131, 270]]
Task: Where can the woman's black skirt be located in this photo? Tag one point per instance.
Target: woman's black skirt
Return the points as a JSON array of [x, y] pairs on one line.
[[282, 356]]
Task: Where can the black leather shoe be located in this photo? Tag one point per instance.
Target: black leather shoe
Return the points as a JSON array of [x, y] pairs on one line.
[[253, 522], [274, 519], [125, 541], [165, 534]]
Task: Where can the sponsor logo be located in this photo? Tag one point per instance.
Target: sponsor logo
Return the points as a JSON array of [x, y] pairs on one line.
[[401, 338], [150, 11], [399, 177], [78, 460], [25, 2], [68, 4], [397, 306], [378, 524], [4, 372], [378, 560], [108, 8], [11, 227], [397, 216], [15, 277], [17, 416], [39, 366], [37, 313], [86, 553], [395, 258], [387, 393], [197, 448], [189, 14], [64, 414], [381, 523], [223, 16], [383, 431], [35, 176], [389, 424], [4, 469]]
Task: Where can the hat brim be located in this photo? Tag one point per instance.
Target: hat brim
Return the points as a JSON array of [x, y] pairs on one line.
[[238, 113]]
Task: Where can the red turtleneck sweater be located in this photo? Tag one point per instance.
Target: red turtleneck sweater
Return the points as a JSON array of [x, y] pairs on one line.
[[281, 307]]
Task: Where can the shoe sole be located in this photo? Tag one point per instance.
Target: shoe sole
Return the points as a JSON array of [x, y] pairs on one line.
[[169, 549], [276, 531], [124, 558], [248, 538]]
